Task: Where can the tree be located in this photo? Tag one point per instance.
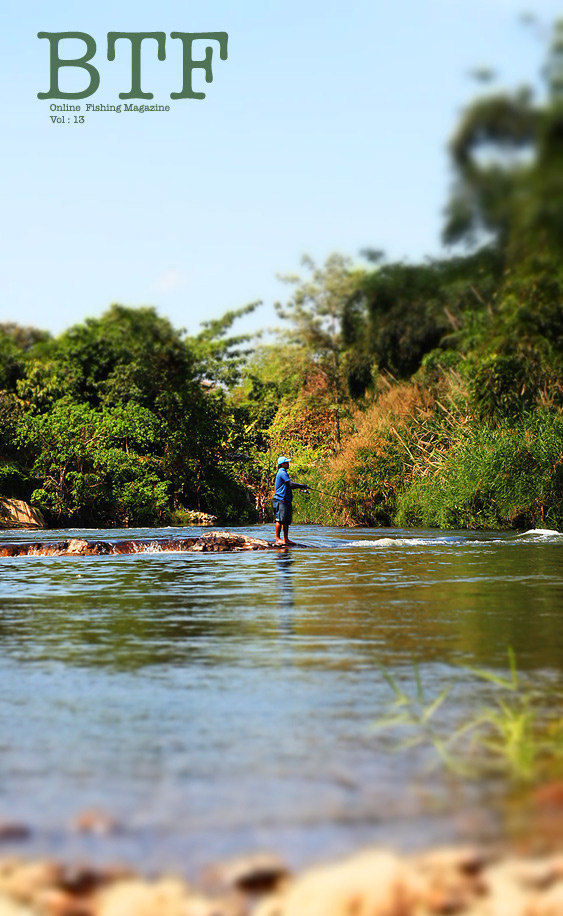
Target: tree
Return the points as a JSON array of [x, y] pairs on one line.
[[125, 361], [507, 154], [17, 344], [220, 357], [95, 465], [324, 312], [414, 309], [489, 152]]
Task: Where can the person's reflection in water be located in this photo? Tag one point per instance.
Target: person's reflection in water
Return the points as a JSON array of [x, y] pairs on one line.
[[287, 601]]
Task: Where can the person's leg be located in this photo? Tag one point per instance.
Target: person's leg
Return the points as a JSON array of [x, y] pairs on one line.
[[288, 518], [283, 521], [278, 516], [286, 540]]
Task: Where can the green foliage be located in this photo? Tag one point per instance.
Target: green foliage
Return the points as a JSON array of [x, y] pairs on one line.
[[498, 476], [221, 358], [126, 355], [122, 418], [405, 317], [499, 386], [14, 482], [372, 483], [489, 172], [274, 378], [414, 309], [11, 410], [512, 737], [414, 716], [94, 464], [11, 361], [325, 313]]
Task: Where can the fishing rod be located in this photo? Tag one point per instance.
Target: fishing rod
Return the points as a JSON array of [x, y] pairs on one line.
[[332, 496]]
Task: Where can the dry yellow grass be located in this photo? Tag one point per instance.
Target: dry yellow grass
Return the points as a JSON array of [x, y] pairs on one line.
[[404, 435]]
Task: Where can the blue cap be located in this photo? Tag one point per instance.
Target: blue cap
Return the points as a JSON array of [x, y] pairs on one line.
[[282, 460]]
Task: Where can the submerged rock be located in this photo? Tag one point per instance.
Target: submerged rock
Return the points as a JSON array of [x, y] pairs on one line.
[[14, 830], [78, 546], [96, 821]]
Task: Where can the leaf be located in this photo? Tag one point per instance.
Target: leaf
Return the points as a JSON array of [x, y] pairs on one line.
[[394, 686], [419, 691], [430, 710], [493, 678], [410, 742], [390, 722]]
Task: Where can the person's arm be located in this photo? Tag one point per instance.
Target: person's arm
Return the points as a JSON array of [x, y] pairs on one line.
[[298, 486]]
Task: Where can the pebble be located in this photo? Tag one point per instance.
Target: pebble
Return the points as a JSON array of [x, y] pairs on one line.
[[258, 873], [95, 821], [12, 830]]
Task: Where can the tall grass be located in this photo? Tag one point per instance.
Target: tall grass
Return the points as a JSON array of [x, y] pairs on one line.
[[418, 458], [494, 476], [373, 464]]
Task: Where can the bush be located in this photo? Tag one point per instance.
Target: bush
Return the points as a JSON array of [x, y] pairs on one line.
[[14, 482], [504, 476]]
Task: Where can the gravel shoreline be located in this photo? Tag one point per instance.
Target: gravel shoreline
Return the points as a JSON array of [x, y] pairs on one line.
[[375, 882]]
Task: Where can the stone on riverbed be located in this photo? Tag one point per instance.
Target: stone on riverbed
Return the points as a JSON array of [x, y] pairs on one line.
[[256, 874], [371, 883], [14, 830]]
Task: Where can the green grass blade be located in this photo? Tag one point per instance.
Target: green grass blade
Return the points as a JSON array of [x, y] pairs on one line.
[[435, 705]]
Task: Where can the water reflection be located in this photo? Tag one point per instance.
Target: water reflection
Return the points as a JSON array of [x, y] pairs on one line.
[[349, 608], [284, 562]]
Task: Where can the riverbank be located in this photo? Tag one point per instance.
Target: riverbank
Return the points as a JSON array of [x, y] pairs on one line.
[[376, 882]]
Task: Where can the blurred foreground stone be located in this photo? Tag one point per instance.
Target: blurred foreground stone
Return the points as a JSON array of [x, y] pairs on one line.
[[371, 883]]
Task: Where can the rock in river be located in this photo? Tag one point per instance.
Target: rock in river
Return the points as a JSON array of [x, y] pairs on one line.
[[214, 541]]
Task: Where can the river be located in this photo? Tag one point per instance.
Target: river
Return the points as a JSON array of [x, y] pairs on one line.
[[219, 703]]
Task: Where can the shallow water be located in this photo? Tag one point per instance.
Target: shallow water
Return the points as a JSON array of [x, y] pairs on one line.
[[217, 703]]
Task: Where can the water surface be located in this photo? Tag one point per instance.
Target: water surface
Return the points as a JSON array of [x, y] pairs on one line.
[[216, 703]]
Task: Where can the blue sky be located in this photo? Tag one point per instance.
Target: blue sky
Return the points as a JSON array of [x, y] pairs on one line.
[[325, 130]]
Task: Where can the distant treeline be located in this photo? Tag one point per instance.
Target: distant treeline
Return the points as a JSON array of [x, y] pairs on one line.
[[426, 395]]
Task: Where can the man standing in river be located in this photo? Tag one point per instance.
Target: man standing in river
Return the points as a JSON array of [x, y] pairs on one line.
[[282, 501]]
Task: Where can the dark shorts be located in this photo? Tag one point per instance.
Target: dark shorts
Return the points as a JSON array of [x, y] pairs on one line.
[[283, 511]]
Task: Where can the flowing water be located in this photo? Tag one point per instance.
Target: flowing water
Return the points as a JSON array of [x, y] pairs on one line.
[[219, 703]]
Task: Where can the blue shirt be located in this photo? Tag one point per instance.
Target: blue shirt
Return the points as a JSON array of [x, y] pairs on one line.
[[283, 486]]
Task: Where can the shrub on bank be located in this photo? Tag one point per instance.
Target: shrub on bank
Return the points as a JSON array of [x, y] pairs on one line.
[[373, 465], [508, 475]]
